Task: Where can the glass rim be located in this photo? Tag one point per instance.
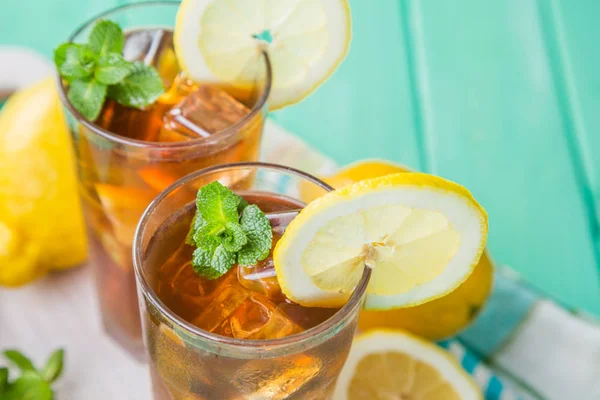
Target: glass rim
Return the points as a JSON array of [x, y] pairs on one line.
[[243, 344], [93, 127]]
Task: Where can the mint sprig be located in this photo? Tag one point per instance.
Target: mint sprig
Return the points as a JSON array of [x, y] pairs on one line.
[[97, 70], [225, 229], [32, 384]]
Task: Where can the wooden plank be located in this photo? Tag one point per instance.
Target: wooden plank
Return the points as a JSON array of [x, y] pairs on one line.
[[573, 47], [44, 25], [492, 121], [365, 109]]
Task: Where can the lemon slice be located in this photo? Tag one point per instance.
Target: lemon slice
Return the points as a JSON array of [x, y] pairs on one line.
[[434, 320], [421, 235], [223, 41], [395, 365]]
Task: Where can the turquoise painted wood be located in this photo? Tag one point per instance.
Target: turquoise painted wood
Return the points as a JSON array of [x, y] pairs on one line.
[[493, 120], [502, 96]]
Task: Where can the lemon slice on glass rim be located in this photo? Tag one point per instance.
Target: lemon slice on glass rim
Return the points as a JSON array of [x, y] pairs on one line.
[[388, 364], [420, 234], [223, 41]]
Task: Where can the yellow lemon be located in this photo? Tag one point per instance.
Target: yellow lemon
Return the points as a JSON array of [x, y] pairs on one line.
[[421, 236], [437, 319], [443, 317], [223, 41], [41, 224], [351, 173], [385, 365]]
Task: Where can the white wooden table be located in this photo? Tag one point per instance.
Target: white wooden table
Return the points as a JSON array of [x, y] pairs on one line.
[[62, 311]]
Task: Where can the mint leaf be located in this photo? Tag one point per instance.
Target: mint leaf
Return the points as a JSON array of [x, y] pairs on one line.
[[258, 230], [217, 203], [3, 379], [207, 237], [54, 366], [60, 53], [221, 235], [19, 360], [212, 265], [74, 61], [32, 384], [140, 88], [222, 260], [196, 224], [111, 69], [106, 37], [87, 96], [98, 68], [243, 204], [29, 386], [233, 237], [201, 259]]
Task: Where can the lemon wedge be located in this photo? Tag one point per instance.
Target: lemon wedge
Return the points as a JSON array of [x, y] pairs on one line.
[[223, 41], [395, 365], [420, 234]]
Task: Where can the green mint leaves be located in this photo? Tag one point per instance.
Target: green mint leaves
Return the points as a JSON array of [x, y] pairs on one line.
[[106, 37], [112, 69], [254, 223], [139, 88], [226, 229], [97, 70], [87, 96], [32, 384]]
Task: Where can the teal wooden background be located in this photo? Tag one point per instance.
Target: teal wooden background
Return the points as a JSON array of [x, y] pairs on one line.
[[501, 96]]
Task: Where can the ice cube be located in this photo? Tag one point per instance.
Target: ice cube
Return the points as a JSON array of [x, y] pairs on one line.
[[306, 317], [280, 220], [123, 207], [259, 318], [204, 112], [251, 316], [261, 278], [278, 326], [184, 281], [228, 298], [153, 47], [147, 45], [277, 378]]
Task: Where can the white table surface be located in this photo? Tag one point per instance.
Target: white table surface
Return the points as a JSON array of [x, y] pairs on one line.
[[61, 311]]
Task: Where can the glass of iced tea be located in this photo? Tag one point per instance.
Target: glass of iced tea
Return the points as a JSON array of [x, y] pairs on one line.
[[237, 336], [127, 156]]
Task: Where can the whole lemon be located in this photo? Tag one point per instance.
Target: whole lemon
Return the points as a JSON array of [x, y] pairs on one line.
[[443, 317], [41, 223]]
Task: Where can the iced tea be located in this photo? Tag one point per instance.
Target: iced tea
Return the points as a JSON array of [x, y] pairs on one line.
[[127, 156], [237, 336]]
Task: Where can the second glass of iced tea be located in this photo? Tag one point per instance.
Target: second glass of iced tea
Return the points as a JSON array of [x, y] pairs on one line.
[[236, 337], [127, 156]]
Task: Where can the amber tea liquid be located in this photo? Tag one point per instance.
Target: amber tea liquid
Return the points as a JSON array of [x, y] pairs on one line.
[[245, 303], [129, 156]]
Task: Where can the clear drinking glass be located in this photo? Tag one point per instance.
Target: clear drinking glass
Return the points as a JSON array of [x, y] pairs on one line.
[[187, 362], [126, 157]]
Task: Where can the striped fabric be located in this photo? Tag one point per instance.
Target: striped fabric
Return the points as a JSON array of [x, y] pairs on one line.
[[491, 385]]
